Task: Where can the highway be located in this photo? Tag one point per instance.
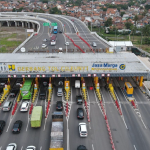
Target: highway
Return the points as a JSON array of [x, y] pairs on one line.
[[128, 131], [35, 43]]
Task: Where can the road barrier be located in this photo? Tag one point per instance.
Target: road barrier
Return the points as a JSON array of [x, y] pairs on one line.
[[30, 111], [19, 96], [47, 108], [6, 91], [74, 43], [67, 108], [133, 104], [86, 43], [14, 109]]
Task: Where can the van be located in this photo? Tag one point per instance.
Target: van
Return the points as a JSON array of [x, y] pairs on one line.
[[59, 91], [77, 83], [7, 106], [94, 44]]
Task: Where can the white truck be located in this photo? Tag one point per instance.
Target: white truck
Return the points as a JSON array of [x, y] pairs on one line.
[[77, 83]]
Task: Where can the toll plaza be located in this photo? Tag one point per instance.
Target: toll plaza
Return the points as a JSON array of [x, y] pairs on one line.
[[106, 80]]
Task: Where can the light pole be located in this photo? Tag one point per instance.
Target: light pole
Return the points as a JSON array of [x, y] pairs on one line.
[[117, 37], [92, 15]]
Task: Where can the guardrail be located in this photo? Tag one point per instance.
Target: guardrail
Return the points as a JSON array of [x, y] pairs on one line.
[[142, 51], [74, 43], [86, 43], [106, 42]]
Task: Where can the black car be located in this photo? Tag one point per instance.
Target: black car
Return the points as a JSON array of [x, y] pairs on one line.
[[81, 147], [17, 126], [42, 94], [44, 82], [14, 92], [19, 81], [79, 99], [60, 31], [80, 113], [59, 105], [2, 125], [3, 82]]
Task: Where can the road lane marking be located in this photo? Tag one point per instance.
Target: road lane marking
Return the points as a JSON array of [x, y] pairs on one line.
[[27, 124], [41, 148], [21, 147], [0, 147], [92, 147], [9, 125], [134, 147]]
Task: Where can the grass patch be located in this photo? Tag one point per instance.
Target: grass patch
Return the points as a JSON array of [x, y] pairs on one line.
[[6, 45]]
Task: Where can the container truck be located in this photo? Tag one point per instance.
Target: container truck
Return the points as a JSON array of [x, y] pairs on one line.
[[56, 142], [36, 116]]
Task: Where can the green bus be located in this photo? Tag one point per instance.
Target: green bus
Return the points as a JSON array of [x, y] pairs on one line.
[[27, 89]]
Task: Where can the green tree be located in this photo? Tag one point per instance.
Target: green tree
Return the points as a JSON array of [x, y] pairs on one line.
[[147, 7], [122, 13], [128, 25], [54, 10], [108, 22], [14, 10]]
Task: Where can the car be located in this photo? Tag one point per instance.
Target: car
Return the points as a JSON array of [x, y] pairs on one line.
[[44, 45], [60, 83], [59, 105], [24, 106], [7, 106], [83, 129], [13, 93], [2, 125], [59, 91], [60, 31], [94, 44], [19, 82], [17, 126], [44, 40], [3, 82], [31, 148], [67, 43], [72, 20], [80, 113], [81, 147], [42, 94], [44, 82], [79, 99], [11, 146]]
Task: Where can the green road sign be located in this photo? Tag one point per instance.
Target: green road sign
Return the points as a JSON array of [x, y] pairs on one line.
[[45, 24], [53, 24]]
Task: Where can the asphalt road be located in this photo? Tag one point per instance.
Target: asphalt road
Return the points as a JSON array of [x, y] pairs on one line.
[[128, 130]]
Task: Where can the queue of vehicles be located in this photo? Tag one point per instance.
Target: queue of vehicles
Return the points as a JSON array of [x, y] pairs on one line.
[[36, 116]]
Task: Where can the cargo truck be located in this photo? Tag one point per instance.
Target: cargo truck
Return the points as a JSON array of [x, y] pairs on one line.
[[36, 116], [56, 142]]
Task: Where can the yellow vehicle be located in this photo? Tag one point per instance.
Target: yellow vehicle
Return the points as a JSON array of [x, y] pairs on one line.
[[128, 89]]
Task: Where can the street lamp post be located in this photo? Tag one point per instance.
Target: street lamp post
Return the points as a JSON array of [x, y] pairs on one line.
[[117, 37], [92, 15]]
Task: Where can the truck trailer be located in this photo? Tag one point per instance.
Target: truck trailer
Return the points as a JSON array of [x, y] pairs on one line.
[[56, 142], [36, 116]]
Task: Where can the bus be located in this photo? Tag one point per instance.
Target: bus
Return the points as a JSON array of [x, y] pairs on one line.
[[27, 89], [55, 30], [128, 89], [53, 40]]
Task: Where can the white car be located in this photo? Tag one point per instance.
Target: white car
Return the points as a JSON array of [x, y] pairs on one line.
[[24, 106], [67, 43], [44, 40], [83, 129], [31, 148], [44, 45], [11, 146]]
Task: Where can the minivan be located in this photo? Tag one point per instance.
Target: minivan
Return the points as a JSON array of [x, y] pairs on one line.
[[94, 44], [7, 106], [59, 91]]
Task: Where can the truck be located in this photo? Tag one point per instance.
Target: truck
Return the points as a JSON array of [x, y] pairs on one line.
[[56, 142], [36, 116]]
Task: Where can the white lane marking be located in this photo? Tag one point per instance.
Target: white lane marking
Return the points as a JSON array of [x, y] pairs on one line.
[[143, 123], [9, 125], [92, 147], [0, 147], [67, 139], [134, 147], [40, 147], [27, 124], [21, 147], [45, 124]]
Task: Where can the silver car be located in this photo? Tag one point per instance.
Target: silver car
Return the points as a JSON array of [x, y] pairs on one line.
[[11, 146], [7, 106], [94, 44]]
